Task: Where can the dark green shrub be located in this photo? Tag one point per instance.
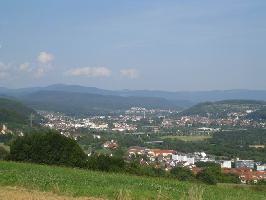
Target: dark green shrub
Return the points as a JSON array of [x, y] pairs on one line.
[[47, 147], [3, 153], [207, 176], [182, 173], [105, 163]]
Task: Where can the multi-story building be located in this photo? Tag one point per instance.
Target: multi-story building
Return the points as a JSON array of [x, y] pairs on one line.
[[245, 164]]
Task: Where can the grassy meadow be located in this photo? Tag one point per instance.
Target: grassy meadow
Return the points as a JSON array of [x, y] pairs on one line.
[[84, 183]]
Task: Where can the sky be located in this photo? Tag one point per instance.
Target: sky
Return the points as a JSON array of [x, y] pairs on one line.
[[172, 45]]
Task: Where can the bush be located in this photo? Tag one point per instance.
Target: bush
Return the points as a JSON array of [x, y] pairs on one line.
[[212, 174], [182, 173], [229, 178], [144, 170], [105, 163], [3, 153], [47, 147], [207, 176], [207, 164]]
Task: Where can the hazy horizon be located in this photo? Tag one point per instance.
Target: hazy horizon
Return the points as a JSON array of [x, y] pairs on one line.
[[138, 45]]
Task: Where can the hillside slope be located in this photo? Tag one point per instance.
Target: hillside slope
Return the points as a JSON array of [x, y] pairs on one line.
[[14, 113], [223, 108], [84, 103], [75, 182]]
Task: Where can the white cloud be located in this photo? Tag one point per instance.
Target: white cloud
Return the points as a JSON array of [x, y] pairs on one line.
[[90, 72], [45, 57], [129, 73], [25, 67]]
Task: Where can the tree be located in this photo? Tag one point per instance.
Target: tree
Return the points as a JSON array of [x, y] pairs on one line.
[[207, 176], [105, 163], [182, 173], [47, 147]]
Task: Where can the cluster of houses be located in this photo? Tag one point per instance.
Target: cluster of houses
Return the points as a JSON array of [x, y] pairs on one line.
[[247, 170], [4, 130], [123, 127], [231, 120], [168, 158], [111, 145]]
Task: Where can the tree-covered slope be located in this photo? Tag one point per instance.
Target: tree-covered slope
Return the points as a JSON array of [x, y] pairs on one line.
[[13, 112], [223, 108]]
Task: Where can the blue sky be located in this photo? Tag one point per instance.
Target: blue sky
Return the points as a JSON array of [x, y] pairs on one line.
[[134, 44]]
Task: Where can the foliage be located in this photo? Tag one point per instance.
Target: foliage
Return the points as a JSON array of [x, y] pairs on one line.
[[144, 170], [47, 147], [207, 176], [3, 153], [14, 113], [220, 109], [5, 137], [211, 174], [261, 182], [207, 165], [182, 174], [105, 163]]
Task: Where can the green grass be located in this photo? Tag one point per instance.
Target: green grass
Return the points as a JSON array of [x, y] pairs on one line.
[[188, 138], [75, 182]]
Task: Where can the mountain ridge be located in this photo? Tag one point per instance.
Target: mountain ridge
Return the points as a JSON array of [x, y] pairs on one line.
[[190, 96]]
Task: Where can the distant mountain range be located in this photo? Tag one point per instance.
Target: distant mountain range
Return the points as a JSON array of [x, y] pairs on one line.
[[75, 98], [190, 96], [86, 103]]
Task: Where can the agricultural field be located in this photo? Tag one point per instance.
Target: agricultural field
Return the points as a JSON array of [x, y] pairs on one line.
[[75, 183], [187, 138]]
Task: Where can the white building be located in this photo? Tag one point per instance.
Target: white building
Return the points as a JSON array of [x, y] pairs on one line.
[[226, 164], [261, 167], [184, 158]]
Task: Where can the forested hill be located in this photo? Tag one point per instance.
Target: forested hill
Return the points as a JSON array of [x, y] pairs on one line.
[[223, 108], [13, 112], [84, 103]]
